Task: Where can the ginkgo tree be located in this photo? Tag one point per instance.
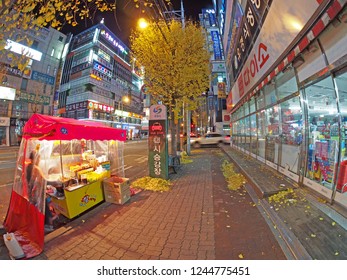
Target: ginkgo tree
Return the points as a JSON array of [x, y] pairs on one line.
[[176, 65]]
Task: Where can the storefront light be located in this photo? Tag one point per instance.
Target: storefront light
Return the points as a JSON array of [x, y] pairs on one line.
[[21, 49], [292, 23]]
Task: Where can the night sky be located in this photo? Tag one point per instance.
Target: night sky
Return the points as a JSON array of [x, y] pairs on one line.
[[127, 16]]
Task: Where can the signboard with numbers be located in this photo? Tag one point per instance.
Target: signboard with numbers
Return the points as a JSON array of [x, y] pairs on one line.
[[157, 142]]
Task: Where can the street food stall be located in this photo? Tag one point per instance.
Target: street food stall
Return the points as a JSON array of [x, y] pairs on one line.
[[60, 162]]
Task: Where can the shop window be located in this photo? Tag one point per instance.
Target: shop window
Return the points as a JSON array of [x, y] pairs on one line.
[[246, 108], [253, 134], [323, 132], [270, 93], [236, 133], [260, 100], [292, 134], [252, 105], [261, 133], [247, 135], [286, 84], [272, 137]]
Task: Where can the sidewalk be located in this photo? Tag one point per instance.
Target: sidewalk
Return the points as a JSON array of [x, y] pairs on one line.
[[201, 219], [310, 227]]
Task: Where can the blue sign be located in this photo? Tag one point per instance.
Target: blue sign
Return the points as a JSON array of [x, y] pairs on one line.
[[38, 76], [216, 45]]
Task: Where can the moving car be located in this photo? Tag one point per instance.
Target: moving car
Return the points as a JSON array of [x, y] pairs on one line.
[[211, 138]]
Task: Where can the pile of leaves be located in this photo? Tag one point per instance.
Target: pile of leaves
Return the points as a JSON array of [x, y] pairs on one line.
[[235, 180], [283, 198], [152, 184], [185, 158]]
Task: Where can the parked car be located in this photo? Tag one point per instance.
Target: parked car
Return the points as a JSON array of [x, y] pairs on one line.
[[211, 138]]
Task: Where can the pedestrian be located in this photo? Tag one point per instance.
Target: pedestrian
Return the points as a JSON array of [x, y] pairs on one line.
[[35, 177]]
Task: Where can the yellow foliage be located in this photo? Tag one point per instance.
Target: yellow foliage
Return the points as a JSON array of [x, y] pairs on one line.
[[174, 59], [152, 184], [284, 197], [235, 180], [185, 158], [33, 15]]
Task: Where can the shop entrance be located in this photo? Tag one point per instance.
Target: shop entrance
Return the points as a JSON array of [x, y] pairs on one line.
[[341, 184], [323, 136]]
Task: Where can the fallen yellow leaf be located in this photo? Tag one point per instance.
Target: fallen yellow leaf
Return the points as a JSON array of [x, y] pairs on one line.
[[313, 235], [241, 256]]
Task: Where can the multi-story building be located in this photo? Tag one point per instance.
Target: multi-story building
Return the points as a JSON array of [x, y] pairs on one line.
[[30, 91], [99, 82], [287, 68], [216, 95]]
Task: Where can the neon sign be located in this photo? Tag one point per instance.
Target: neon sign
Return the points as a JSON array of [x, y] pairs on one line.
[[113, 41]]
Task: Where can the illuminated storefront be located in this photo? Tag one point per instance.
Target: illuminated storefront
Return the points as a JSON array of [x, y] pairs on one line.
[[289, 97]]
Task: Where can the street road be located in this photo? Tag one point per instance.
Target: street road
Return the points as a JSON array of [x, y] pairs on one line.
[[135, 166]]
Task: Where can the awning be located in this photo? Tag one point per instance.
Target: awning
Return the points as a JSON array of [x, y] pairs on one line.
[[43, 127]]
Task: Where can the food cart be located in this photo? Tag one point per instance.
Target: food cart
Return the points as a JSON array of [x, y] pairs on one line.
[[63, 161]]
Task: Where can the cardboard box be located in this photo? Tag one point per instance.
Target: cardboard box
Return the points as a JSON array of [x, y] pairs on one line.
[[116, 190]]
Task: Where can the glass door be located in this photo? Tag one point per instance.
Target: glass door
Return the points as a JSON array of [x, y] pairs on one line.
[[341, 184], [323, 136]]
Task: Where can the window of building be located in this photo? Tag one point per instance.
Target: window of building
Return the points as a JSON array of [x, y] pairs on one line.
[[35, 45], [286, 84], [24, 84], [270, 93]]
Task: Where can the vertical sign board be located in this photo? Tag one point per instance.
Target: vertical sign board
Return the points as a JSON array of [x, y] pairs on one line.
[[157, 142]]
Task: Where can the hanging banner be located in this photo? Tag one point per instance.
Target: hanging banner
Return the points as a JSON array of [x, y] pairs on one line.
[[157, 142]]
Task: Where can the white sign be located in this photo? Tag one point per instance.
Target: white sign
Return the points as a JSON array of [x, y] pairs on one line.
[[23, 50], [7, 93], [157, 112], [282, 22]]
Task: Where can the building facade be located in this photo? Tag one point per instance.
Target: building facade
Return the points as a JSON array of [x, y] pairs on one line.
[[216, 95], [287, 68], [99, 81], [30, 91]]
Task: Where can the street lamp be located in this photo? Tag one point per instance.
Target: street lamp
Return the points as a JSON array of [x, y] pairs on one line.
[[125, 99]]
